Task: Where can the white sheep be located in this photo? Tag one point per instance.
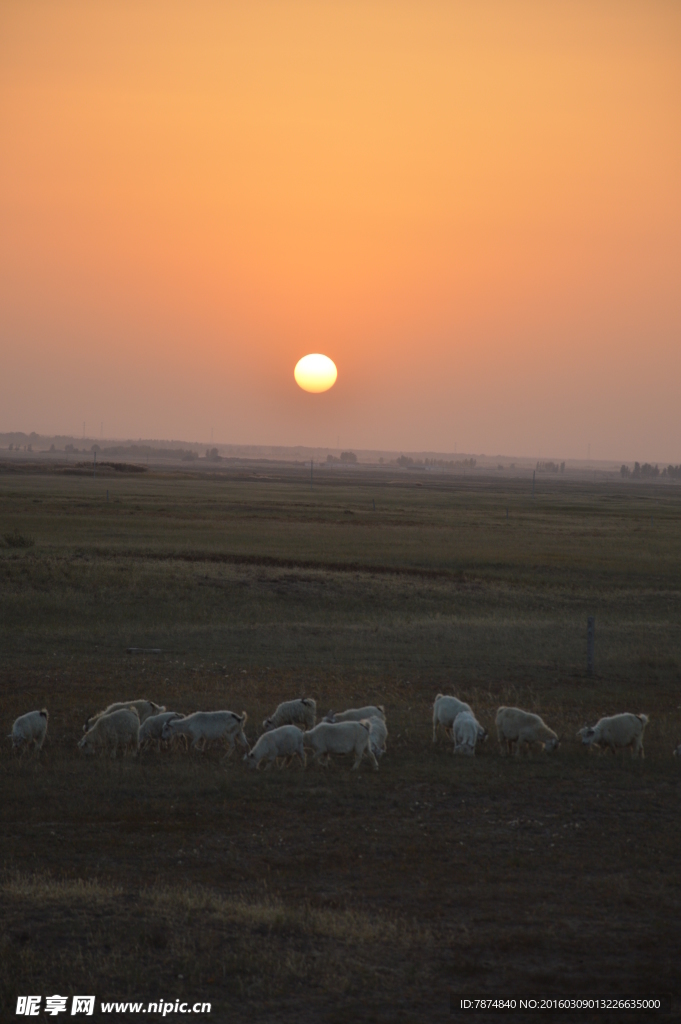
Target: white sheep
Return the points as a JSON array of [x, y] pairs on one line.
[[378, 735], [29, 730], [524, 729], [302, 711], [285, 741], [204, 727], [341, 738], [467, 733], [144, 708], [445, 710], [151, 730], [119, 730], [616, 733], [357, 714]]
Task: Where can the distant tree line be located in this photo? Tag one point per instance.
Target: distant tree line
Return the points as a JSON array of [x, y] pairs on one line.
[[650, 472], [145, 450], [21, 440], [119, 467], [406, 460], [349, 458]]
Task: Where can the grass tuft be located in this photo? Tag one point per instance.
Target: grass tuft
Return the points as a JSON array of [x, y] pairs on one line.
[[18, 540]]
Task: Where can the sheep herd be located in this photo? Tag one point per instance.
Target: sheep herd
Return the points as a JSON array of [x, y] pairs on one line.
[[132, 726]]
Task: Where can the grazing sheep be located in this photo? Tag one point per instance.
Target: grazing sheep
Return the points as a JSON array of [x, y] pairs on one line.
[[302, 712], [378, 734], [120, 729], [616, 733], [205, 727], [524, 729], [445, 710], [597, 747], [285, 741], [357, 714], [144, 708], [29, 730], [341, 738], [467, 733], [151, 730]]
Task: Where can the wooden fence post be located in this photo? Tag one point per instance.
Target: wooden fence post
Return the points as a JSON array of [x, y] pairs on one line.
[[590, 643]]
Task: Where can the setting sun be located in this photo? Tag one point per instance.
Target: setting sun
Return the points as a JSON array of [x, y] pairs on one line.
[[315, 373]]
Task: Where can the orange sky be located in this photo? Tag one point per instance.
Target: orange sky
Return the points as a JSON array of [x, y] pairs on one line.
[[473, 208]]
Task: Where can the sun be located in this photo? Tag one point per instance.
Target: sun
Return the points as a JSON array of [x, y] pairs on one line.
[[315, 373]]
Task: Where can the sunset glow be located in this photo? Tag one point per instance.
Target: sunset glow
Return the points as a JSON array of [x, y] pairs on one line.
[[475, 205]]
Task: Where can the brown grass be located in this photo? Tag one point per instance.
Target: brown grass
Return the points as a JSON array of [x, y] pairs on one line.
[[327, 895]]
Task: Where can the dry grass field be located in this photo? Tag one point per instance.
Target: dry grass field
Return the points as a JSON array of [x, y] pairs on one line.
[[324, 895]]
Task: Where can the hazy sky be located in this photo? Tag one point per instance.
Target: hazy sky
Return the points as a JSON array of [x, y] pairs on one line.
[[474, 208]]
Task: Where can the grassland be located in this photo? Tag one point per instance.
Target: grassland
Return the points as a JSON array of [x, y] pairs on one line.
[[317, 895]]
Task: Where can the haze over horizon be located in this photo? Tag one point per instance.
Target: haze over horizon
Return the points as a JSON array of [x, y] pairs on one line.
[[474, 211], [120, 445]]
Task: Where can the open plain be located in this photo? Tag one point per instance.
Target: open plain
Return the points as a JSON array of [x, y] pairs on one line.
[[325, 895]]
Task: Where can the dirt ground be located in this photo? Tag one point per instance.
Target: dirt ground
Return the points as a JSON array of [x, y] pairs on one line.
[[329, 895]]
